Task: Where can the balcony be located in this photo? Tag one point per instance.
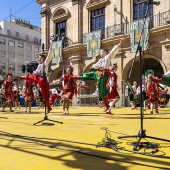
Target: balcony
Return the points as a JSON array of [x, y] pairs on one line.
[[158, 20], [66, 42]]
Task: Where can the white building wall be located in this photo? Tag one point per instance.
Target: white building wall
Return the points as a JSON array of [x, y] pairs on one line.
[[13, 56]]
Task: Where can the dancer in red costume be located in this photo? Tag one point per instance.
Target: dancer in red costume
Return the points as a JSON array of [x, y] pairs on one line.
[[101, 73], [54, 95], [29, 95], [8, 84], [152, 90], [37, 77], [69, 88], [112, 86]]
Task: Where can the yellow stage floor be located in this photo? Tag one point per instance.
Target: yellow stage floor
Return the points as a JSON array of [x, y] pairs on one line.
[[72, 145]]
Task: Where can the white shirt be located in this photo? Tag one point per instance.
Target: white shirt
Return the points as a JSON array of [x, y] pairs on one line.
[[105, 61], [39, 70], [54, 91]]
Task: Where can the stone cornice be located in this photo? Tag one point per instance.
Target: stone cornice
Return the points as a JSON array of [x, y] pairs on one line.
[[75, 59], [167, 47], [94, 4], [73, 48], [42, 1]]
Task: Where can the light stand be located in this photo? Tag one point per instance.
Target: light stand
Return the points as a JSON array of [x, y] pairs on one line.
[[141, 134], [45, 80]]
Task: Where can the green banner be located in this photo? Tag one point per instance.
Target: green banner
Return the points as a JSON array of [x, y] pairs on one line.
[[57, 52], [135, 32], [93, 43]]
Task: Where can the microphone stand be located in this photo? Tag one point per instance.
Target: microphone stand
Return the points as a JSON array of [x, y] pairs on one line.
[[45, 116], [141, 134]]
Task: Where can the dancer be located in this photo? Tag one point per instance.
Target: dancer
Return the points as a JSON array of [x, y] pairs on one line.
[[102, 73], [28, 93], [8, 84], [69, 87], [144, 94], [16, 94], [132, 93], [112, 86], [152, 90], [40, 99], [39, 78], [54, 95]]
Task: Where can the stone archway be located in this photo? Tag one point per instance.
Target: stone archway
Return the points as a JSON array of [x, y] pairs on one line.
[[148, 62]]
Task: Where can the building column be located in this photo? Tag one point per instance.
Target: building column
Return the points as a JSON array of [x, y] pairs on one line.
[[77, 21], [45, 20]]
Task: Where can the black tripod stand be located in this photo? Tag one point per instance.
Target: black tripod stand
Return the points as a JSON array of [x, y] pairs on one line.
[[45, 117], [142, 133]]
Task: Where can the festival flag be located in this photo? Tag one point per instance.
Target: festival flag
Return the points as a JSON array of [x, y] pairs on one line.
[[57, 52], [93, 43], [135, 32]]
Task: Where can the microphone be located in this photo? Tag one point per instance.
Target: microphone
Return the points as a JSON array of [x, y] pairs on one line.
[[153, 2]]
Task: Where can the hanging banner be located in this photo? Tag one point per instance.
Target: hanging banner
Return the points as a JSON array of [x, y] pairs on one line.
[[93, 43], [135, 32], [57, 52]]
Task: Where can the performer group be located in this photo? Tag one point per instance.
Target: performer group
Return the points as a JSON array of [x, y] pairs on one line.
[[36, 85]]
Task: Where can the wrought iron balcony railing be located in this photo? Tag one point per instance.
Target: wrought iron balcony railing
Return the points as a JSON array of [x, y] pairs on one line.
[[158, 20]]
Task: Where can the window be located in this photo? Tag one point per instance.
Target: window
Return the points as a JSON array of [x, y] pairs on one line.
[[35, 40], [98, 20], [11, 67], [27, 37], [11, 43], [8, 32], [61, 28], [2, 66], [17, 34], [2, 41], [139, 9], [20, 45]]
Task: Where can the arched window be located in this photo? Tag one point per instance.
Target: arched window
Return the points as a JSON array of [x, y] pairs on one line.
[[139, 9]]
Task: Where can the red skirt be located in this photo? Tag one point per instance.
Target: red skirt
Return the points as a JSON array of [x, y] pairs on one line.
[[30, 97], [67, 94], [8, 96], [113, 95]]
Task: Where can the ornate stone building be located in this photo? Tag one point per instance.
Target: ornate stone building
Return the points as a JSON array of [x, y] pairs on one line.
[[75, 18]]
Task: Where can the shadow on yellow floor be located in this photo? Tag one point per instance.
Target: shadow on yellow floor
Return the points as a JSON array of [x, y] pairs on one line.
[[72, 145]]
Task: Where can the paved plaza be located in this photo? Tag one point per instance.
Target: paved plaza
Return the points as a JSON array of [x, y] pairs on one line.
[[87, 140]]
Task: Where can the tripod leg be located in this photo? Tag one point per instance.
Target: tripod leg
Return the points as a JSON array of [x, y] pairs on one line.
[[55, 121], [135, 148]]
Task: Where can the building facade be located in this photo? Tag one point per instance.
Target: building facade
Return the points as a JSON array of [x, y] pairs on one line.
[[76, 18], [19, 43]]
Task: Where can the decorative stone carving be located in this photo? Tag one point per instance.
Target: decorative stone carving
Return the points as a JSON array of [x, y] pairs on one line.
[[74, 2], [44, 11], [60, 13], [94, 4]]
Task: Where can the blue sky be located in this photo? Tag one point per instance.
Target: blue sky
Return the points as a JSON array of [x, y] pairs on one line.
[[25, 9]]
